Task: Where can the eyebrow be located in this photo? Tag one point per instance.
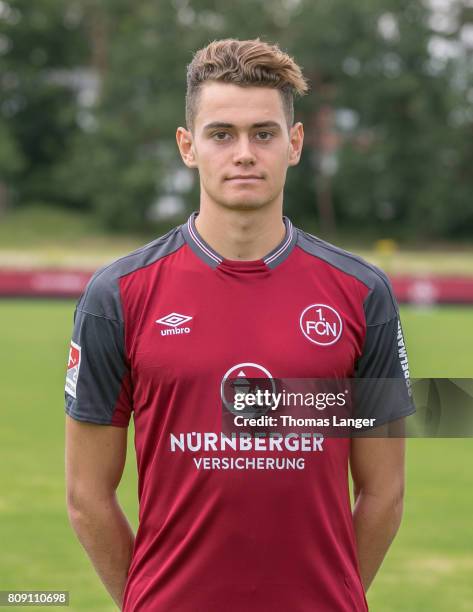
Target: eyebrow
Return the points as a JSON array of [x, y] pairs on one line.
[[261, 124]]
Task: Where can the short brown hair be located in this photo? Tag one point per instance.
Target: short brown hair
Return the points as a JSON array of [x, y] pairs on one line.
[[245, 63]]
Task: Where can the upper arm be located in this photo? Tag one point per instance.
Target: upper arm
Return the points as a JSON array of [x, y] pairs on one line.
[[98, 398], [377, 466], [382, 391], [95, 459]]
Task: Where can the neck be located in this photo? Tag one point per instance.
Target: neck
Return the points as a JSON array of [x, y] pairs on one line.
[[244, 235]]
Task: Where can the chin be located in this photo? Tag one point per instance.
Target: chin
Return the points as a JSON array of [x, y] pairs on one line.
[[244, 204], [248, 201]]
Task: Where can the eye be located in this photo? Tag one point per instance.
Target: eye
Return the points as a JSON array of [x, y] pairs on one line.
[[268, 135], [217, 136]]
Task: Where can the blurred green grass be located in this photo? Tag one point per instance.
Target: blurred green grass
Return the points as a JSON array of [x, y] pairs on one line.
[[50, 234], [429, 566]]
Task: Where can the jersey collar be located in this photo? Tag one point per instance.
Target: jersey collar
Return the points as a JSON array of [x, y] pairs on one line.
[[205, 252]]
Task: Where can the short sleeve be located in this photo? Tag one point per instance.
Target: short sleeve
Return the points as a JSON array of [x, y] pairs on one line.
[[98, 388], [384, 385]]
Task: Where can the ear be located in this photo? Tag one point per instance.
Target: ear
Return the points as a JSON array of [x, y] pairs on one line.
[[296, 140], [185, 144]]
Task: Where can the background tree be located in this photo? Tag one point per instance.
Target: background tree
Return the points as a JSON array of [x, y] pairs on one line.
[[388, 120], [41, 45]]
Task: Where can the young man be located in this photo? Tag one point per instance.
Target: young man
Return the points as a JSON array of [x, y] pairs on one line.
[[235, 292]]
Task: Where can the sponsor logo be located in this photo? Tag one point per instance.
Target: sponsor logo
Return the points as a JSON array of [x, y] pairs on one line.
[[245, 378], [402, 352], [73, 365], [174, 321], [321, 324]]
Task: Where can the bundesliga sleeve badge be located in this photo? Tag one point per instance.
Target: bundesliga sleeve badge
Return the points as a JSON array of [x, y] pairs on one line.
[[73, 365]]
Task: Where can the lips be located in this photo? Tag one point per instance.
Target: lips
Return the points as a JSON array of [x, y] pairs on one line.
[[242, 177]]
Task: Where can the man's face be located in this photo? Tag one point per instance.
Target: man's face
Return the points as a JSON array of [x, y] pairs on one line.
[[241, 132]]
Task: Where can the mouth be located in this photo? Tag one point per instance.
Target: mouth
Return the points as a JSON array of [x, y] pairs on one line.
[[248, 178]]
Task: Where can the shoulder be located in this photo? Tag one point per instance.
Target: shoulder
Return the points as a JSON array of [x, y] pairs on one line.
[[380, 303], [101, 295]]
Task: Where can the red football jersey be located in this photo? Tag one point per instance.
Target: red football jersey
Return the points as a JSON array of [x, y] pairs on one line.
[[235, 527]]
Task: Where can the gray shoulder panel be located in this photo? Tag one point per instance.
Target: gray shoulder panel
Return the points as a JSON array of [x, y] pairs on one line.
[[380, 304], [101, 298], [99, 389]]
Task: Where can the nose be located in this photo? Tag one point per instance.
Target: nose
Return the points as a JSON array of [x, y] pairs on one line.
[[243, 154]]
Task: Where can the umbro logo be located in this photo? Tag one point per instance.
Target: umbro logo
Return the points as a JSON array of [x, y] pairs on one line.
[[174, 322]]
